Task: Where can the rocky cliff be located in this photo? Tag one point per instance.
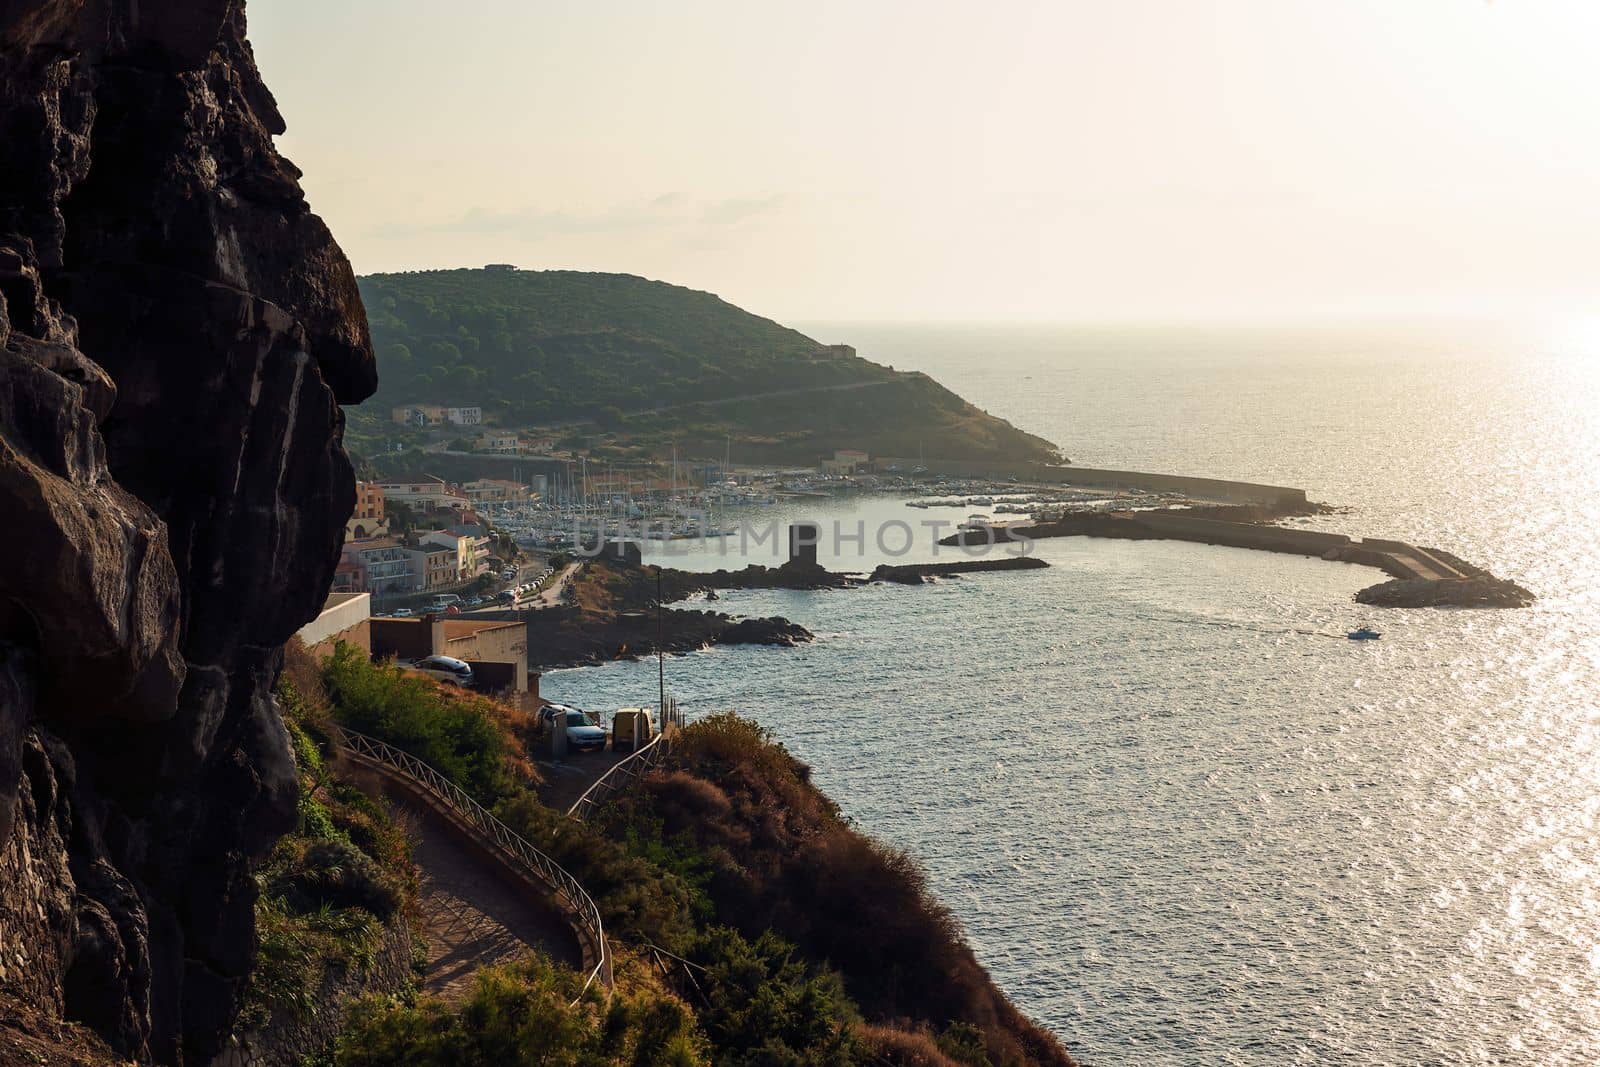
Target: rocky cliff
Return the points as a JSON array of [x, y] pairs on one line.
[[177, 332]]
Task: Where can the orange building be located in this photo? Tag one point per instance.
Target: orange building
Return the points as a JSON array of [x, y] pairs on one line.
[[368, 519]]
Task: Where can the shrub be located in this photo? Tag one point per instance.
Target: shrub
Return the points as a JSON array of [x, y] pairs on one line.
[[521, 1014], [334, 873], [457, 736], [766, 1007], [907, 1048], [327, 889]]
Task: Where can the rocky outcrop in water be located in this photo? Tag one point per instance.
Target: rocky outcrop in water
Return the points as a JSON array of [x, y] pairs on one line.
[[921, 573], [177, 332], [1478, 591]]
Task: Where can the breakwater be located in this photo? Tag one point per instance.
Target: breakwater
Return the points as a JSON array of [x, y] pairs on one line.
[[1423, 577]]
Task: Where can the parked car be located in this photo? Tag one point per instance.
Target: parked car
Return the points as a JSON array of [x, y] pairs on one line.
[[582, 733], [401, 613], [474, 601], [507, 596], [446, 669]]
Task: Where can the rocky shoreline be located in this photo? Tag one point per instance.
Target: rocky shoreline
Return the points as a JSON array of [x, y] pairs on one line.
[[611, 613]]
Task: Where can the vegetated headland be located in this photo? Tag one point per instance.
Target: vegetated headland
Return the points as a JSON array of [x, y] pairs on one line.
[[625, 368]]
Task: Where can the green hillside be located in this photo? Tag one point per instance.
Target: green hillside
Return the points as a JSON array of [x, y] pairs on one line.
[[649, 362]]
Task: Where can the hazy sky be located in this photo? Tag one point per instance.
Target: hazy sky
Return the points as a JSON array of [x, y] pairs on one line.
[[1066, 159]]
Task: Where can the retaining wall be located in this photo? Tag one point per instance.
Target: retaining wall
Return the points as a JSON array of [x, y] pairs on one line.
[[286, 1041]]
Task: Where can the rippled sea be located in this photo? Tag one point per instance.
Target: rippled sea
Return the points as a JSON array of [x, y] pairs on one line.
[[1182, 820]]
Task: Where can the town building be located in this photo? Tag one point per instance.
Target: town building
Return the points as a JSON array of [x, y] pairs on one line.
[[494, 491], [368, 520], [500, 442], [348, 576], [438, 565], [478, 532], [462, 546], [497, 649], [436, 415], [846, 461], [426, 493], [344, 617], [384, 567]]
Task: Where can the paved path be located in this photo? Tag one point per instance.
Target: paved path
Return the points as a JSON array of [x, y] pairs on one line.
[[472, 914], [565, 781]]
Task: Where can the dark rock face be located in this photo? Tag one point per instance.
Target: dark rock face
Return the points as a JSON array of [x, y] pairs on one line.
[[177, 332]]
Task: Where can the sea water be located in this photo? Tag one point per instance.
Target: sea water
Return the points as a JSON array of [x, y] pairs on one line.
[[1182, 819]]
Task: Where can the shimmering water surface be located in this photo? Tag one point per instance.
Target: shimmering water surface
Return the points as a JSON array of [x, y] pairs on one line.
[[1179, 821]]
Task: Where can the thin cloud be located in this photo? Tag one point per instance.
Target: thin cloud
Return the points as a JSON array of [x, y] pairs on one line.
[[667, 212], [733, 212]]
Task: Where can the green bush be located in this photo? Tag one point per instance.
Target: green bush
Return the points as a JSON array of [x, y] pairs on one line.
[[411, 712], [767, 1008], [334, 873], [327, 889], [521, 1015]]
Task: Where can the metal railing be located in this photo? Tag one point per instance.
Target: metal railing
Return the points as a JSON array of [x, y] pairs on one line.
[[628, 771], [621, 776], [498, 835]]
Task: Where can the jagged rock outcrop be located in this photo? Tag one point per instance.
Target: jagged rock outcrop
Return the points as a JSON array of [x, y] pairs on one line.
[[177, 332]]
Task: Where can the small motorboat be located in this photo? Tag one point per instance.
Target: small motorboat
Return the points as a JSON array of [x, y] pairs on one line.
[[1366, 633]]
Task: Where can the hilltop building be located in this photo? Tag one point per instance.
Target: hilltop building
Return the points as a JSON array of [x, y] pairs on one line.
[[499, 442], [436, 415]]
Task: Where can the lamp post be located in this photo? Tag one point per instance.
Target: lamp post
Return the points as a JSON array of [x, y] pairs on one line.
[[661, 656]]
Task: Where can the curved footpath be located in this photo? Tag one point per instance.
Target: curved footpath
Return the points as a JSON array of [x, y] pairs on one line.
[[486, 892]]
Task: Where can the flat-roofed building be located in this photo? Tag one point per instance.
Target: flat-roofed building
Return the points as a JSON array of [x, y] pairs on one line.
[[427, 492], [385, 567], [344, 617]]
